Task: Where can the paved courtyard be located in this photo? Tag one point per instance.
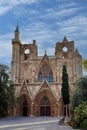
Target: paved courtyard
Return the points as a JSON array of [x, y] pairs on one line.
[[32, 123]]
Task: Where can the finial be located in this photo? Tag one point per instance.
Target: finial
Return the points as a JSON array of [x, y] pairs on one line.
[[65, 39], [45, 52], [17, 29], [77, 51]]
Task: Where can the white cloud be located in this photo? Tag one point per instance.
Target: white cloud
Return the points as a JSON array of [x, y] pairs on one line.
[[17, 2], [55, 13], [74, 26], [66, 12], [62, 10], [5, 48], [50, 12], [77, 20], [6, 5], [38, 30], [4, 9], [5, 53]]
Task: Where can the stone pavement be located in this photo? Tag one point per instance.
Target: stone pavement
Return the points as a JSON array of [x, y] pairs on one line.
[[33, 123]]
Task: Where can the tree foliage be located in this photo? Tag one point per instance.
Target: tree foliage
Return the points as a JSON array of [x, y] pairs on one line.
[[80, 115], [76, 99], [65, 87], [85, 64], [65, 91], [7, 98], [80, 94]]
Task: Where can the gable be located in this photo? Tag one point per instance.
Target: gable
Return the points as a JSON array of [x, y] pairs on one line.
[[45, 87], [25, 90]]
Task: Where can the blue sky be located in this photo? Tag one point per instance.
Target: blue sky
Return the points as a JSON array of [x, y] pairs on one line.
[[46, 21]]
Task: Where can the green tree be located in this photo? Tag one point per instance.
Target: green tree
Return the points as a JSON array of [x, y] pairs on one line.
[[65, 90], [7, 98], [85, 64], [76, 99], [80, 115], [80, 93]]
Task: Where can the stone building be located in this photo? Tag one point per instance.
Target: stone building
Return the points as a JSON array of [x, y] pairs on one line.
[[37, 79]]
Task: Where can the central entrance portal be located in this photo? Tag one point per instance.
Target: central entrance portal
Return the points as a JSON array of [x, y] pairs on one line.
[[45, 107], [25, 105]]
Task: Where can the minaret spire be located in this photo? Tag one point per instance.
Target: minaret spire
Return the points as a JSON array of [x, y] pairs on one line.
[[45, 52], [17, 29], [17, 33]]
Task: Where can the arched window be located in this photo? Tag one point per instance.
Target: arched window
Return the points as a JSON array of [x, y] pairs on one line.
[[45, 72]]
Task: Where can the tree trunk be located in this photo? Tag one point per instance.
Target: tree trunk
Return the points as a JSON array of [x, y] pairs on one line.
[[66, 110]]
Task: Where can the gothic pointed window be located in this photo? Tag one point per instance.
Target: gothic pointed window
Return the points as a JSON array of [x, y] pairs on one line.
[[40, 76], [45, 73]]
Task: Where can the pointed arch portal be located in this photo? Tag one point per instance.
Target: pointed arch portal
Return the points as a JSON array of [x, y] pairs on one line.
[[45, 107]]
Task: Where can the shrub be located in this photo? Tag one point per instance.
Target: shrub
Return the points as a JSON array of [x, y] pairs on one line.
[[84, 124], [80, 115]]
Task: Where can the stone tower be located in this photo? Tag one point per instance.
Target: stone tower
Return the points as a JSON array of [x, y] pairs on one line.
[[37, 79]]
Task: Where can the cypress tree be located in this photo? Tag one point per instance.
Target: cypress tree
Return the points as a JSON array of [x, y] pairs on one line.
[[65, 90]]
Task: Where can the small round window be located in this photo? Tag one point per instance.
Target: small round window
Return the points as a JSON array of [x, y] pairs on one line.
[[65, 49], [27, 51]]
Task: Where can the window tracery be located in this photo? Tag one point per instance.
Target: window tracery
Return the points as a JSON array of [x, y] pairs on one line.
[[45, 72], [45, 101]]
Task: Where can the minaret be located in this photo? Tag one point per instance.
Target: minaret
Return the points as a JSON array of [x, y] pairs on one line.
[[16, 44]]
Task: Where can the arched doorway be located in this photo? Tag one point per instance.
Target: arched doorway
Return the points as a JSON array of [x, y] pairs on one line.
[[25, 108], [45, 107]]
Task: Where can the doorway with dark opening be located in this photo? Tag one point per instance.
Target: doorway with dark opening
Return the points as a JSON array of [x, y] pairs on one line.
[[45, 111], [25, 108], [45, 107]]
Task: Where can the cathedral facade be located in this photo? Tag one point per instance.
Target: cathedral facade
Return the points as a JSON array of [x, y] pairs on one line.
[[38, 79]]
